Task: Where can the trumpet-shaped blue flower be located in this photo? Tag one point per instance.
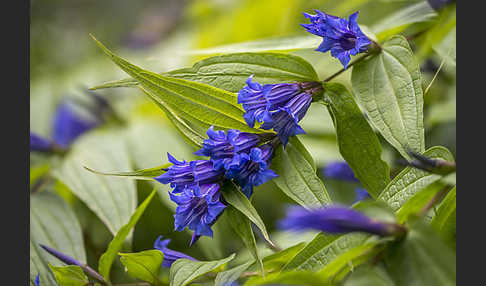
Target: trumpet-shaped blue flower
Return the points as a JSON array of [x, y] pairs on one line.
[[335, 219], [37, 282], [198, 208], [182, 174], [339, 171], [170, 256], [252, 169], [61, 256], [221, 147], [278, 106], [340, 36], [39, 143]]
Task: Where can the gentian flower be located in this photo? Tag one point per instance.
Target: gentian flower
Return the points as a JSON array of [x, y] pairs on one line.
[[278, 106], [198, 208], [39, 143], [361, 194], [184, 174], [170, 256], [339, 171], [61, 256], [221, 147], [340, 36], [36, 282], [252, 169], [336, 220]]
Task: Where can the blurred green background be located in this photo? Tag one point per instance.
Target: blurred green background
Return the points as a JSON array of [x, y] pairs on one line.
[[159, 36]]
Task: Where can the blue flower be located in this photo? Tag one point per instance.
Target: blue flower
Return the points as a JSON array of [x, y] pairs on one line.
[[337, 220], [182, 174], [278, 106], [39, 143], [361, 194], [340, 36], [170, 256], [252, 169], [61, 256], [221, 147], [69, 124], [339, 171], [36, 282], [198, 208]]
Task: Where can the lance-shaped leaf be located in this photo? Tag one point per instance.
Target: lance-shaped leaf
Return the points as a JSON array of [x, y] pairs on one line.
[[144, 265], [71, 275], [389, 87], [445, 219], [242, 226], [229, 72], [53, 223], [184, 271], [208, 104], [106, 260], [411, 180], [225, 278], [297, 175], [113, 200], [144, 174], [358, 144]]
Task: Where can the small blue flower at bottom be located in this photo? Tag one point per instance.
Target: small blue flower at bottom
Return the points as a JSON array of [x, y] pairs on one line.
[[252, 169], [340, 36], [37, 282], [198, 208], [340, 171], [337, 220], [221, 146], [170, 256]]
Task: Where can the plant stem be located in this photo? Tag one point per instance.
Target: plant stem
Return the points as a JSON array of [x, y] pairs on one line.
[[437, 198]]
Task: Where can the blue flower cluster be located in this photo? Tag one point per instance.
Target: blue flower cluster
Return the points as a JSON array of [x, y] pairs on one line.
[[196, 184], [340, 36], [278, 106]]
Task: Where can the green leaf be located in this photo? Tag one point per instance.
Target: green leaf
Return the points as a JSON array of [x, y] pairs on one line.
[[288, 278], [53, 223], [38, 264], [239, 201], [229, 72], [368, 276], [411, 180], [227, 277], [113, 200], [297, 175], [106, 260], [400, 20], [445, 219], [358, 144], [144, 174], [323, 249], [71, 275], [144, 265], [421, 259], [241, 225], [418, 201], [184, 271], [188, 99], [389, 87]]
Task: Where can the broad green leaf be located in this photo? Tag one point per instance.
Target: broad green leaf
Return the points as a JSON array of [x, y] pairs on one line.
[[294, 277], [208, 104], [411, 180], [367, 275], [229, 276], [106, 260], [445, 219], [71, 275], [242, 226], [297, 175], [358, 144], [239, 201], [447, 48], [229, 72], [421, 259], [418, 201], [144, 174], [38, 264], [323, 249], [389, 88], [184, 271], [144, 265], [400, 20], [113, 200]]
